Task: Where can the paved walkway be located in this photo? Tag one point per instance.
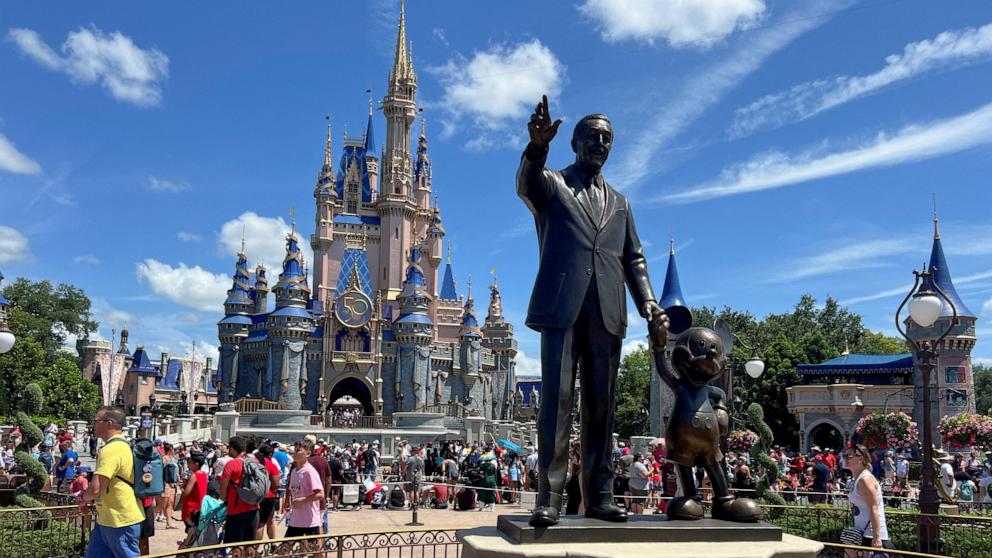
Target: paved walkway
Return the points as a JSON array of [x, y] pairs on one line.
[[370, 520]]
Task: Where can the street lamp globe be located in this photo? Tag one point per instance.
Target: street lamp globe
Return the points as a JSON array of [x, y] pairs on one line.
[[754, 367], [924, 309], [6, 341]]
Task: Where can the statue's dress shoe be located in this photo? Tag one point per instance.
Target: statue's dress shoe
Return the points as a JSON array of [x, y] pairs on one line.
[[544, 516], [739, 510], [607, 512], [683, 508]]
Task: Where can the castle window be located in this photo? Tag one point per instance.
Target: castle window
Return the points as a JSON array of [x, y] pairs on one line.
[[352, 207], [396, 233], [954, 375], [957, 398]]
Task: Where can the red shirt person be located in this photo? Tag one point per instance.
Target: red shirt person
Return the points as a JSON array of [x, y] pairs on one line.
[[242, 517]]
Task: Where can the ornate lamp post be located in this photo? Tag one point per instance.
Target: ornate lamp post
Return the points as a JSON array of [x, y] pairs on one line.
[[183, 406], [6, 344], [79, 404], [321, 401], [924, 310]]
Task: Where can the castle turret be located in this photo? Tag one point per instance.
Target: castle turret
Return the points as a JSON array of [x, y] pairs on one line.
[[123, 349], [326, 195], [661, 398], [422, 175], [414, 332], [448, 290], [233, 329], [498, 338], [371, 161], [952, 376], [289, 326], [261, 289]]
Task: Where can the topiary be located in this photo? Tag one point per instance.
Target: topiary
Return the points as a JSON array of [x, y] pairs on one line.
[[33, 400], [759, 455], [31, 435], [36, 474]]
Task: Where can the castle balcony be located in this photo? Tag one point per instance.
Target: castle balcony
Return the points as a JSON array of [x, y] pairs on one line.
[[341, 358], [849, 398]]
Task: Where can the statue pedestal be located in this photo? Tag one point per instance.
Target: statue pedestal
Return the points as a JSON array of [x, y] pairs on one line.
[[282, 418], [641, 536]]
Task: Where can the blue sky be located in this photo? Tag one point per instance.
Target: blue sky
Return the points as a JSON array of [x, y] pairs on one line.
[[791, 147]]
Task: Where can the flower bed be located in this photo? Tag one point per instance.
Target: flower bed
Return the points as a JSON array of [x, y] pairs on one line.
[[966, 430], [888, 431], [741, 441]]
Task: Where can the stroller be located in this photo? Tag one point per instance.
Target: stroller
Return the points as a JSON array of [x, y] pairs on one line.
[[208, 529]]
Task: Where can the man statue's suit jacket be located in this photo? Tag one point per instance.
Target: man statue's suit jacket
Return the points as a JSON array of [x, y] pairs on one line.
[[576, 245]]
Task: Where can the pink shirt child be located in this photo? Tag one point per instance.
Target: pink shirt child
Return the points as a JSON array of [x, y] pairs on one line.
[[303, 482]]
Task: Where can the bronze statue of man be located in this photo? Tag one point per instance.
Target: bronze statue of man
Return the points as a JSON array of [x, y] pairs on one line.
[[588, 250]]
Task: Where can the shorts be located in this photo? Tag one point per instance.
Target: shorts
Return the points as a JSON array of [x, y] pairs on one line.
[[266, 508], [116, 542], [301, 531], [637, 495], [148, 525], [624, 484], [241, 527]]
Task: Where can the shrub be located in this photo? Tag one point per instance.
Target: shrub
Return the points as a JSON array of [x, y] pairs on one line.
[[34, 400], [759, 455], [55, 539], [35, 471], [31, 435]]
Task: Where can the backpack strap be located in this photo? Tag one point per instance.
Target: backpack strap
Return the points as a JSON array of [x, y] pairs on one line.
[[118, 477]]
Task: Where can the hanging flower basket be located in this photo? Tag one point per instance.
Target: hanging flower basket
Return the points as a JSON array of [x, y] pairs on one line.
[[888, 431], [741, 441], [966, 430]]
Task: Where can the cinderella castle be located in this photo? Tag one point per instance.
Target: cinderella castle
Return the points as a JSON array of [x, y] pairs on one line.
[[377, 319]]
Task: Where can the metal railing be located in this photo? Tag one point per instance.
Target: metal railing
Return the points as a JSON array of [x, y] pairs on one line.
[[52, 532], [455, 410], [424, 543], [354, 421]]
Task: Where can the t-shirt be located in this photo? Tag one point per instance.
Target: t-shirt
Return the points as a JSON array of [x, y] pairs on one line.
[[116, 505], [283, 460], [625, 463], [304, 481], [414, 468], [821, 474], [947, 477], [531, 462], [70, 468], [902, 467], [273, 470], [232, 472], [967, 491], [985, 485], [638, 476]]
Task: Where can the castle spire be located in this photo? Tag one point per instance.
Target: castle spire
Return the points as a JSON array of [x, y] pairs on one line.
[[369, 135], [448, 290], [328, 162], [401, 63], [671, 294], [941, 276], [936, 231]]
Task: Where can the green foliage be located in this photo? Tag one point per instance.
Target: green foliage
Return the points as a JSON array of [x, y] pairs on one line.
[[27, 502], [60, 382], [47, 539], [759, 455], [33, 399], [31, 435], [633, 392], [983, 388], [48, 314], [35, 471], [808, 334]]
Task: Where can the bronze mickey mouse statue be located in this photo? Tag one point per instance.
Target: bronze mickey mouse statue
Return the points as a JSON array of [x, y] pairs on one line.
[[699, 420]]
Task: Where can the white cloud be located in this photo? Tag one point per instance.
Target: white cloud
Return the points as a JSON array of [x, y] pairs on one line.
[[527, 366], [504, 82], [194, 286], [86, 259], [707, 87], [987, 307], [632, 345], [913, 143], [14, 246], [901, 291], [114, 318], [130, 73], [438, 34], [697, 23], [188, 237], [156, 184], [12, 160], [265, 240], [852, 256], [949, 49]]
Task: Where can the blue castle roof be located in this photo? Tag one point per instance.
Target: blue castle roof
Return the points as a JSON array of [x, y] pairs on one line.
[[863, 364], [292, 276], [671, 294], [414, 275], [942, 277], [239, 292], [448, 290], [142, 364], [357, 154], [354, 259], [369, 135]]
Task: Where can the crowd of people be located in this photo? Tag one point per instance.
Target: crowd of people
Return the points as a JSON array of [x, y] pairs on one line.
[[311, 478]]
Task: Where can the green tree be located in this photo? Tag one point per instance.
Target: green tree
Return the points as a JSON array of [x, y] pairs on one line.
[[63, 383], [781, 359], [983, 388], [48, 314], [877, 343], [633, 392]]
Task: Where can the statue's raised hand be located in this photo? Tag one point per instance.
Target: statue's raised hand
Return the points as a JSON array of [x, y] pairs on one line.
[[541, 129]]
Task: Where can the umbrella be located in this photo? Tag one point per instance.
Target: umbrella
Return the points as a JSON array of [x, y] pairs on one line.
[[508, 445]]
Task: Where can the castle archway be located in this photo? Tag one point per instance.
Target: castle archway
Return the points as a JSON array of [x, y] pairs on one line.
[[825, 434], [354, 388]]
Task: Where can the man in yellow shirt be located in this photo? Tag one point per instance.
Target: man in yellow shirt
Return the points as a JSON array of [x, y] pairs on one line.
[[118, 515]]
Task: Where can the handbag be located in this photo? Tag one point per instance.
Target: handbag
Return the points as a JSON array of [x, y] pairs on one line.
[[852, 536]]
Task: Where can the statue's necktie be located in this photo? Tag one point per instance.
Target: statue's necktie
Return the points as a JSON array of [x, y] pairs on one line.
[[595, 193]]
